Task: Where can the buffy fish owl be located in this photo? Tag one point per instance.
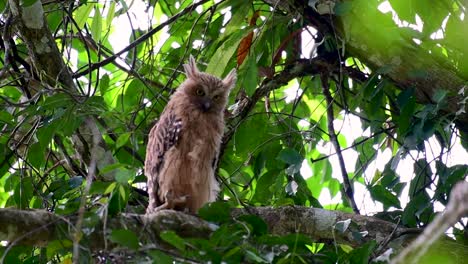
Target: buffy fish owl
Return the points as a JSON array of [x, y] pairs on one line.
[[183, 145]]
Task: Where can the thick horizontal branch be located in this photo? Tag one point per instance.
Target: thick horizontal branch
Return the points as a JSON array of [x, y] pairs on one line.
[[38, 227]]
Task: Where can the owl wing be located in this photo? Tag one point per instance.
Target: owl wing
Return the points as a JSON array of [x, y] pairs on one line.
[[163, 136]]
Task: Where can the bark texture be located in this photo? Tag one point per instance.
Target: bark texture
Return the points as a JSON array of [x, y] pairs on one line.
[[38, 227]]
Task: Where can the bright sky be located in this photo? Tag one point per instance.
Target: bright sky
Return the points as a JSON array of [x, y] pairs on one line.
[[349, 125]]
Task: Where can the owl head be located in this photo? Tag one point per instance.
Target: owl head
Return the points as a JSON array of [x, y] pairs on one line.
[[207, 93]]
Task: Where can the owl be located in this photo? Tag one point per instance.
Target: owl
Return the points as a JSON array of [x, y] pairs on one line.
[[183, 145]]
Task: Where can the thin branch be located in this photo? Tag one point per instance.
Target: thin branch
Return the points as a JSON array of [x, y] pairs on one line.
[[355, 144], [348, 190]]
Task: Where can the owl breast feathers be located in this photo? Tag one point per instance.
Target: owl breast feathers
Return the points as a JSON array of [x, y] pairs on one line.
[[184, 144]]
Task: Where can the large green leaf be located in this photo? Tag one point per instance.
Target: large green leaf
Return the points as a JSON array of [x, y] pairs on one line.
[[379, 193], [82, 13], [225, 52], [173, 239], [125, 238], [290, 156], [96, 24]]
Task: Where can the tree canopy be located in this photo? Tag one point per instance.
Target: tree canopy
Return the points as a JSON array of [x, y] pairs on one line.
[[345, 133]]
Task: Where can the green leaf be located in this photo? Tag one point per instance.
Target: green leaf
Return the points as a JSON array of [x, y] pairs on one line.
[[82, 13], [122, 140], [259, 163], [415, 208], [406, 101], [334, 187], [95, 104], [249, 72], [104, 83], [160, 257], [363, 254], [254, 257], [75, 182], [237, 19], [98, 187], [56, 246], [217, 212], [234, 255], [110, 15], [131, 97], [263, 191], [388, 199], [224, 53], [27, 3], [36, 155], [125, 238], [23, 193], [245, 140], [464, 139], [118, 200], [59, 100], [290, 156], [6, 117], [422, 180], [259, 227], [96, 24], [448, 176], [123, 175], [2, 6], [173, 239], [404, 9]]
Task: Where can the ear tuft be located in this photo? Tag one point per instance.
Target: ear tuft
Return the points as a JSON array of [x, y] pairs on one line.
[[230, 79], [191, 69]]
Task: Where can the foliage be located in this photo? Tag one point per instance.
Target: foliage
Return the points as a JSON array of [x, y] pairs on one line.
[[268, 143]]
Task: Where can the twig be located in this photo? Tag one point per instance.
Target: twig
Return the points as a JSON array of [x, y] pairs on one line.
[[89, 180], [348, 190], [355, 144]]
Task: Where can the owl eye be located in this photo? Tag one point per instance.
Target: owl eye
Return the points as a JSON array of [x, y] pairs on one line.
[[216, 97], [200, 92]]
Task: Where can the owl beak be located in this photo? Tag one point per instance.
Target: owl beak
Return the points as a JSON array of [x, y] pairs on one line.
[[206, 105]]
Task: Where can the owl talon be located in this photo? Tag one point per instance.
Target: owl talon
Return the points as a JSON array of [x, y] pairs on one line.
[[175, 202], [171, 203]]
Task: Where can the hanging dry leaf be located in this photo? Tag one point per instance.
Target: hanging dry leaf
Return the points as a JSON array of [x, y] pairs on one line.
[[246, 42]]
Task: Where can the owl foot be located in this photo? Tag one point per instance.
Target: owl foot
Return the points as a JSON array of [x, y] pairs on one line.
[[173, 202], [170, 203]]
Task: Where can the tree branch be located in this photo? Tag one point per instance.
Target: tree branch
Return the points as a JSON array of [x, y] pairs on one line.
[[38, 227], [347, 188]]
